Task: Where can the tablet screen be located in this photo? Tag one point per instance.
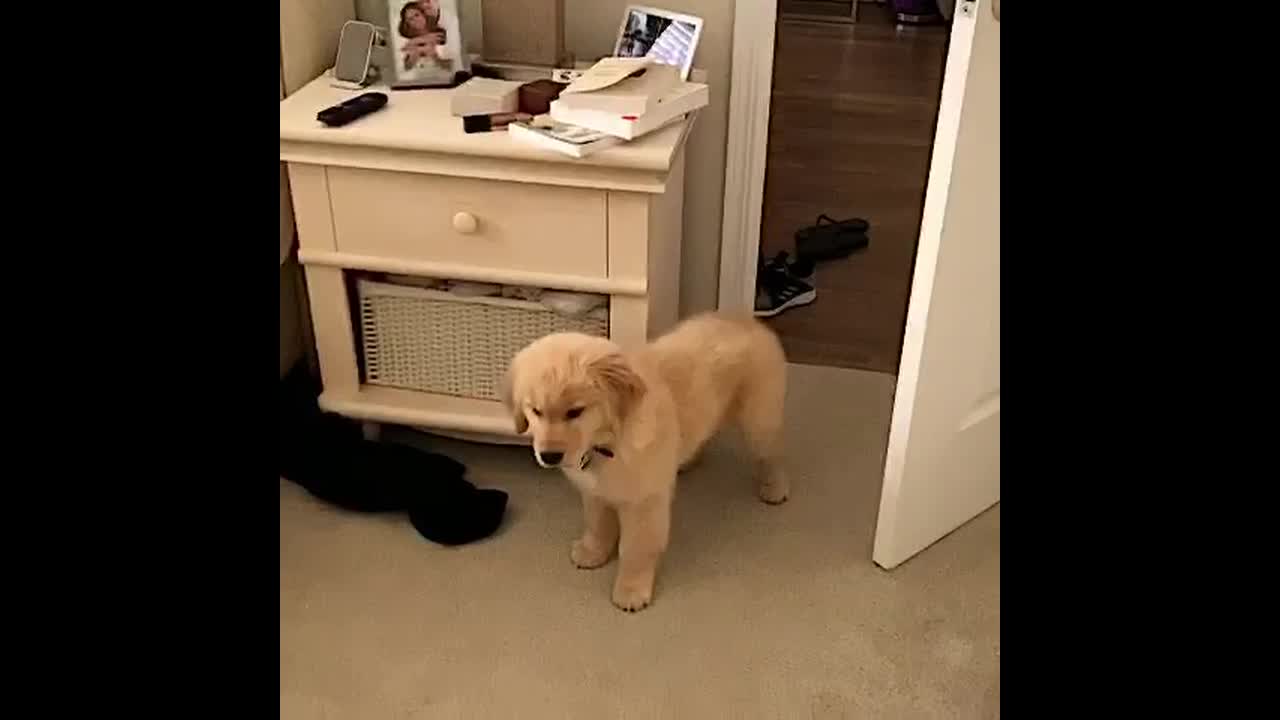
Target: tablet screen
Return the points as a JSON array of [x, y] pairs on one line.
[[670, 39]]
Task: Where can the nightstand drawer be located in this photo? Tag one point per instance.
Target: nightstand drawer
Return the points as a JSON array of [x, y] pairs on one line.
[[484, 223]]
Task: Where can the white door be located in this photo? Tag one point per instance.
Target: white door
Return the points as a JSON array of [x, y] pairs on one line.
[[942, 466]]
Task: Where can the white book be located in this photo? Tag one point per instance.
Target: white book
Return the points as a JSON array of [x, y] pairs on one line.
[[568, 139], [685, 98], [634, 87]]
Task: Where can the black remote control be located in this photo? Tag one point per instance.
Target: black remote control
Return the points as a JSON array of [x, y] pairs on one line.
[[353, 109]]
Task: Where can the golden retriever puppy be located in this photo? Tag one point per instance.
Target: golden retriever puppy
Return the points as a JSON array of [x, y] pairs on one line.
[[620, 423]]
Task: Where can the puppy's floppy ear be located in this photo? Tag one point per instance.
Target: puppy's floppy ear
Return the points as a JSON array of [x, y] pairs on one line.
[[506, 388], [614, 375]]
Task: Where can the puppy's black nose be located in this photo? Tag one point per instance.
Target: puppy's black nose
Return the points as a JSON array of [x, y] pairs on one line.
[[551, 458]]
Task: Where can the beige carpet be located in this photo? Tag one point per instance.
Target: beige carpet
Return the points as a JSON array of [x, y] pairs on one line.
[[761, 612]]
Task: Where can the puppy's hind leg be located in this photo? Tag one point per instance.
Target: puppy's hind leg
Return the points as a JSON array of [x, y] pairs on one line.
[[760, 415], [764, 442]]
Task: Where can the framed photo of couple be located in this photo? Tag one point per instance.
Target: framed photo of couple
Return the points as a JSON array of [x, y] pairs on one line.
[[425, 43]]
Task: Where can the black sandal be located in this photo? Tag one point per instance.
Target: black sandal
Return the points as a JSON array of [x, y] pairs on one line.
[[833, 240]]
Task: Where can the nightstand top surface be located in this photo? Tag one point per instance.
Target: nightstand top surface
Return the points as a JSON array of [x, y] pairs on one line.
[[420, 121]]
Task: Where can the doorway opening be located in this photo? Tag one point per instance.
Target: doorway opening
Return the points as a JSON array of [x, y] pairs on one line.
[[854, 104], [851, 121]]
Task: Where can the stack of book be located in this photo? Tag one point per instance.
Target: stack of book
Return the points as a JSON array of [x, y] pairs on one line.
[[617, 100]]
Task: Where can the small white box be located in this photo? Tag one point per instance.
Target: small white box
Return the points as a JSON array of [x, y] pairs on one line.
[[485, 96]]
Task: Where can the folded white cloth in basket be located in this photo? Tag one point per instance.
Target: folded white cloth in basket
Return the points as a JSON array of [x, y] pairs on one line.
[[573, 304], [520, 292], [415, 281], [464, 288], [570, 304]]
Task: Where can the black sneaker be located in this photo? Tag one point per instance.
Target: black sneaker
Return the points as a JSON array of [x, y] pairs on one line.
[[802, 270], [777, 290]]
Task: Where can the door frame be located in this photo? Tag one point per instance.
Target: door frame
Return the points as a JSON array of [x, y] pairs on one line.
[[746, 150]]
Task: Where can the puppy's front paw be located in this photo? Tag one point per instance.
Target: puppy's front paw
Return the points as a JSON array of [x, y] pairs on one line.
[[772, 484], [774, 491], [586, 555], [772, 495], [631, 598]]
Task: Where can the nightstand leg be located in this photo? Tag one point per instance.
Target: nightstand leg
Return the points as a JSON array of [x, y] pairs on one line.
[[331, 321]]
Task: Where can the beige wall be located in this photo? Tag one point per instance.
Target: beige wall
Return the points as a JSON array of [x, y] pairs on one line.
[[309, 31], [590, 28], [292, 334]]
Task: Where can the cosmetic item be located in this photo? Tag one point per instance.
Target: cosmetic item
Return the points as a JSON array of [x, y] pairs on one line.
[[535, 97], [496, 121]]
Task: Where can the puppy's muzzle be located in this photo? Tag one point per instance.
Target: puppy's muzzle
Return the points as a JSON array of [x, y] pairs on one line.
[[548, 458]]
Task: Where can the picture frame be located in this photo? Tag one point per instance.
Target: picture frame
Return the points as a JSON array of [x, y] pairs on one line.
[[648, 32], [424, 43]]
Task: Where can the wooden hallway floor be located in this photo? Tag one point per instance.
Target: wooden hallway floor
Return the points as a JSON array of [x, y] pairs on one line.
[[851, 130]]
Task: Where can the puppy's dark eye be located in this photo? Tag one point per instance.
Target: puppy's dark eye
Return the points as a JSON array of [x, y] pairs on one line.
[[537, 412], [574, 412]]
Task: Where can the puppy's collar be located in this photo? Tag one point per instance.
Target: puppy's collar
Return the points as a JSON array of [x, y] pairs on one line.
[[588, 457]]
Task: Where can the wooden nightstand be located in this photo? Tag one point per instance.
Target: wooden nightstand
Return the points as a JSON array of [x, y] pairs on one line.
[[405, 191]]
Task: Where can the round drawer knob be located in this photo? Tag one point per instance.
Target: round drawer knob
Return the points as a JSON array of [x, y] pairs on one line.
[[465, 223]]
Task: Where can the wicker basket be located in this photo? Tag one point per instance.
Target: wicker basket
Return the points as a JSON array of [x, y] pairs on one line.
[[438, 342]]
